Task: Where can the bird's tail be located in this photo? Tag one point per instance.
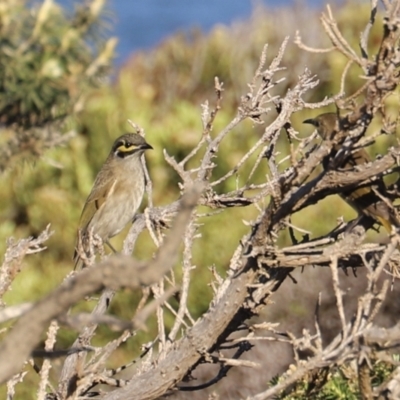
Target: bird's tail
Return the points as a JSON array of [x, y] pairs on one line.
[[388, 224]]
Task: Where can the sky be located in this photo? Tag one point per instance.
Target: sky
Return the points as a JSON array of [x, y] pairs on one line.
[[142, 24]]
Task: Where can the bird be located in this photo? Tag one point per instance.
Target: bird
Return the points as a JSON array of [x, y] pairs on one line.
[[365, 200], [116, 194]]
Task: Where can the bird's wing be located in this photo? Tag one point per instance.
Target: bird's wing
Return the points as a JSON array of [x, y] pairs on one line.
[[366, 201], [102, 189]]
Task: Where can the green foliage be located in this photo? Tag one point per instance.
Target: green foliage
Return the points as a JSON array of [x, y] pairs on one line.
[[49, 61], [46, 59], [334, 383]]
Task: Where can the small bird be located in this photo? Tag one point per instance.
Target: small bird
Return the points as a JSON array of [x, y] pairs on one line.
[[364, 200], [116, 194]]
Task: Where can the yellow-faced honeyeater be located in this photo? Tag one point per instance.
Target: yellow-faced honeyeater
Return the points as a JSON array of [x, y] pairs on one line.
[[365, 200], [116, 194]]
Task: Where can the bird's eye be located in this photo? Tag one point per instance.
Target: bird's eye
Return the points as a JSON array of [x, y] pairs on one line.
[[124, 148]]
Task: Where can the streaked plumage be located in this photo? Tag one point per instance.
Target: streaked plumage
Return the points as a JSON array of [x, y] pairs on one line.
[[364, 200], [117, 191]]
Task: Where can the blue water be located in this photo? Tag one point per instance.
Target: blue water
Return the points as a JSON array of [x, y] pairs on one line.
[[141, 24]]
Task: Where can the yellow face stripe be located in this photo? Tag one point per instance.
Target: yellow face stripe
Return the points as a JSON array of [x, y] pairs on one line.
[[126, 148]]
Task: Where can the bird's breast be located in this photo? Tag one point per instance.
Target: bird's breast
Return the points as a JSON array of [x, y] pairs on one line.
[[120, 207]]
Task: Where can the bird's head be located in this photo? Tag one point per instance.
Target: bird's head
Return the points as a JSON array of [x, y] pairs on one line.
[[129, 144], [326, 124]]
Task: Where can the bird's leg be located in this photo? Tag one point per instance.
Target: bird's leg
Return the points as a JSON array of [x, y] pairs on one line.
[[110, 246]]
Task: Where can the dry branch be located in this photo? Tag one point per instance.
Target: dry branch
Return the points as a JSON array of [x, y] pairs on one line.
[[116, 272]]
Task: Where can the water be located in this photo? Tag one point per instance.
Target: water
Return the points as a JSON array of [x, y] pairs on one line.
[[141, 24]]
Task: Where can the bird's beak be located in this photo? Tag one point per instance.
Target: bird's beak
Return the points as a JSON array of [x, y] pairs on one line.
[[310, 121], [146, 146]]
